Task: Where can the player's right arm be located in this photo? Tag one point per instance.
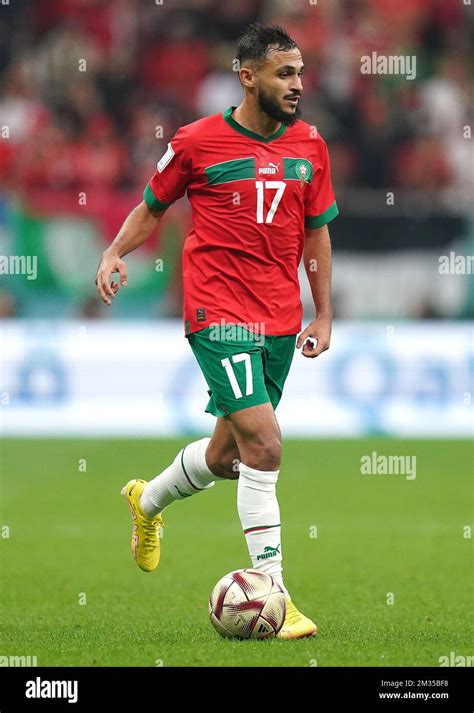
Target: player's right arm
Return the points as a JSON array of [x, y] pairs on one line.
[[137, 228], [168, 183]]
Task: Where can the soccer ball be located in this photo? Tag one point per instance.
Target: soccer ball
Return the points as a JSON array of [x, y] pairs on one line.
[[247, 604]]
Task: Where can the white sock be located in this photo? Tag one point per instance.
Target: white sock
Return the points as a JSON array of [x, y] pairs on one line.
[[260, 517], [186, 476]]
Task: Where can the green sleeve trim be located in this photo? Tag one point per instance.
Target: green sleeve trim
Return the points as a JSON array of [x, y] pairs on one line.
[[152, 202], [317, 221]]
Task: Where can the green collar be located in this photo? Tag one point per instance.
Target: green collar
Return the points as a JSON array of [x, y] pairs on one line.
[[227, 114]]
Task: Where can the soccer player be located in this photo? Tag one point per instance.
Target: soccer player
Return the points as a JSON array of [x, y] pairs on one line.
[[258, 181]]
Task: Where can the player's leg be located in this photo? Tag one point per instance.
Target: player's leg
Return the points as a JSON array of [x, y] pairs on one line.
[[234, 364], [189, 473], [195, 468], [258, 438], [222, 454]]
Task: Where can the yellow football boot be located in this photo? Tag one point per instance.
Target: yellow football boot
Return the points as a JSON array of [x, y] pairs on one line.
[[145, 542], [296, 625]]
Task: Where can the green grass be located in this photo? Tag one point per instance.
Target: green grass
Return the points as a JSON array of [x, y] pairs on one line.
[[69, 534]]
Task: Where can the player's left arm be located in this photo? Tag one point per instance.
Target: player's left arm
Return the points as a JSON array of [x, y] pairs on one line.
[[320, 209], [318, 265]]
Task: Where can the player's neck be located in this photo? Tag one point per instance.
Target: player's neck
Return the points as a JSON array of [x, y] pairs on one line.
[[254, 119]]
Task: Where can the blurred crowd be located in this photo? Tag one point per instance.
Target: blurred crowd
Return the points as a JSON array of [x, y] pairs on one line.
[[92, 90]]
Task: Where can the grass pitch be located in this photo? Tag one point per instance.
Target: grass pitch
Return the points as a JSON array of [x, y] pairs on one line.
[[71, 594]]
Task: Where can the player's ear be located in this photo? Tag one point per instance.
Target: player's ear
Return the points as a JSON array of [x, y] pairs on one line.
[[247, 77]]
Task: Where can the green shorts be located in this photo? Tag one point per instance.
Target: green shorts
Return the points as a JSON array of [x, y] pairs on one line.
[[242, 369]]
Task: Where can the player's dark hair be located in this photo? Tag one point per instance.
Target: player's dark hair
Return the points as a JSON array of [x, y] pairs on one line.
[[254, 43]]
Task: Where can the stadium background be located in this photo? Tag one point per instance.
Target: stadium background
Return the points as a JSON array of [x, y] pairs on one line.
[[91, 92]]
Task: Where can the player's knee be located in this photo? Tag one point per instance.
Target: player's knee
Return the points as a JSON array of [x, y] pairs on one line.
[[225, 465], [263, 452]]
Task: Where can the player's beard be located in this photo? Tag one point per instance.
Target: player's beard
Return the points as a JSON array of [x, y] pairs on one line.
[[270, 107]]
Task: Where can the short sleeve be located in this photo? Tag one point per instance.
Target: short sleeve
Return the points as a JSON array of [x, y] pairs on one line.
[[172, 175], [320, 203]]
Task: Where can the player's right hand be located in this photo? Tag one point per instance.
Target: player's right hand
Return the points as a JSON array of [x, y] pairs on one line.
[[110, 263]]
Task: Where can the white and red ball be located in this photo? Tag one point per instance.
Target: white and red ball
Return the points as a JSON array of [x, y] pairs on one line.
[[247, 604]]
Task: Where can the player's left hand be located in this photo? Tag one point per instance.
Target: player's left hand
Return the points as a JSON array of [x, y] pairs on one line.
[[319, 330]]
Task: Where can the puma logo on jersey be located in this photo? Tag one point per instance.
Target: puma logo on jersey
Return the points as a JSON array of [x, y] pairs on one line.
[[272, 168]]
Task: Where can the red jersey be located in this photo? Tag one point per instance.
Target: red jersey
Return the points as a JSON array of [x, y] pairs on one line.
[[251, 199]]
